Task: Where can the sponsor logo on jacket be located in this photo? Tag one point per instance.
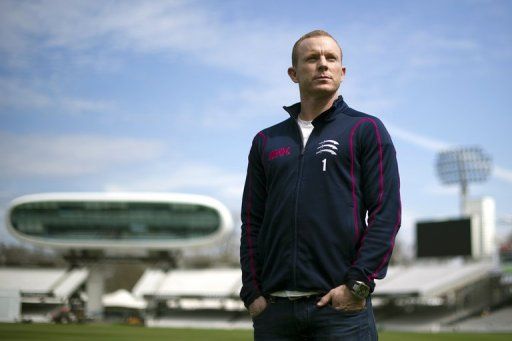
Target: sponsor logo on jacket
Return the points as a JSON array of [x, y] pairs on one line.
[[280, 152]]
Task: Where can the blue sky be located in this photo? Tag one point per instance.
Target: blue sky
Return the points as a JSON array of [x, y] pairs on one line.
[[167, 95]]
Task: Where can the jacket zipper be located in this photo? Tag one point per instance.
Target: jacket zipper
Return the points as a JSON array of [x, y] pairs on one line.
[[297, 191]]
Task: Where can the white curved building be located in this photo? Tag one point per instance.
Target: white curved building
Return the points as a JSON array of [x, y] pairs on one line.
[[125, 221]]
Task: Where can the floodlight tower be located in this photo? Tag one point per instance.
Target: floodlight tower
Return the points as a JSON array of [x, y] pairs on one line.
[[463, 166]]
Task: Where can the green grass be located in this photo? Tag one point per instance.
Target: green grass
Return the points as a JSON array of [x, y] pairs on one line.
[[119, 332], [394, 336], [507, 268]]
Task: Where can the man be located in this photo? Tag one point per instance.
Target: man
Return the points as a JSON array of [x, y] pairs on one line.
[[321, 209]]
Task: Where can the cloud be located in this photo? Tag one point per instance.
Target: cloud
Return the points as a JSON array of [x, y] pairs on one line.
[[29, 95], [438, 189], [407, 233], [16, 95], [187, 177], [503, 173], [70, 155], [33, 28], [440, 50], [71, 33], [425, 142], [192, 29], [199, 30], [259, 103], [437, 145], [29, 30]]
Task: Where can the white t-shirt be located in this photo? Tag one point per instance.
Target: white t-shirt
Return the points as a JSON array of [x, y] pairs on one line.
[[306, 127]]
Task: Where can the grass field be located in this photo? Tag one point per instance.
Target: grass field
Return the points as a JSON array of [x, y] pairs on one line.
[[118, 332]]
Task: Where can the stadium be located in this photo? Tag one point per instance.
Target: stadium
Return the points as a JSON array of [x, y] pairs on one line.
[[455, 286]]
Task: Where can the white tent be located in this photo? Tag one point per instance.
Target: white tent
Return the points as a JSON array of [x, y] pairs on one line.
[[123, 299], [149, 283], [216, 288], [211, 283], [432, 279], [55, 285]]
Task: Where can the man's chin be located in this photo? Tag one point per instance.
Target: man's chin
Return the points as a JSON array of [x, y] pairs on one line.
[[323, 91]]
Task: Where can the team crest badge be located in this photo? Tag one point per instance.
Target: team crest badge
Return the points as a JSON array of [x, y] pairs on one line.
[[328, 146]]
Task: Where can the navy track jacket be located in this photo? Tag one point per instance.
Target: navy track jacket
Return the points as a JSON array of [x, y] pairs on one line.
[[318, 215]]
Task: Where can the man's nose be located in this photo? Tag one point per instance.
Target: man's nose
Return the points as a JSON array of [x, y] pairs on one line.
[[322, 63]]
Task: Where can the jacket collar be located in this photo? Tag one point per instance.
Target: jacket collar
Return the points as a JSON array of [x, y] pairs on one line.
[[338, 106]]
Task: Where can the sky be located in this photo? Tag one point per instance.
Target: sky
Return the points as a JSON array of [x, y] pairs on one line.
[[166, 96]]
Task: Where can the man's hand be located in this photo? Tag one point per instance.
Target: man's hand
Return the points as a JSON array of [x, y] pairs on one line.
[[257, 306], [341, 298]]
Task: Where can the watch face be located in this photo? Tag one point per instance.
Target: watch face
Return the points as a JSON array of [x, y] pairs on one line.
[[360, 290], [363, 290]]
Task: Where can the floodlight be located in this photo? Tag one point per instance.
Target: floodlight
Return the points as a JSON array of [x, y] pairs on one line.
[[463, 166]]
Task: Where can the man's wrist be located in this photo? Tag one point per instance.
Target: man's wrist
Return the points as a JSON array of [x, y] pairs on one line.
[[249, 299], [359, 289]]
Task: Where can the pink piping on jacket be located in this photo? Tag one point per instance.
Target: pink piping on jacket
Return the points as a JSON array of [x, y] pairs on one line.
[[352, 175], [248, 219], [264, 138], [371, 219], [395, 231]]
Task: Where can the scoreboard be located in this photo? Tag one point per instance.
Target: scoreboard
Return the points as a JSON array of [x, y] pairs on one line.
[[446, 238]]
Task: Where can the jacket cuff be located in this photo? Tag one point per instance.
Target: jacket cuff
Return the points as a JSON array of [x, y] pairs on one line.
[[248, 298], [357, 275]]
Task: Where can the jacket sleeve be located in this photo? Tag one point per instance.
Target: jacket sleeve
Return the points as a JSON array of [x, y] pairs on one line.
[[253, 210], [380, 189]]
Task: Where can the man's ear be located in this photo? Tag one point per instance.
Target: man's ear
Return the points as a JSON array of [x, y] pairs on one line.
[[293, 74], [343, 73]]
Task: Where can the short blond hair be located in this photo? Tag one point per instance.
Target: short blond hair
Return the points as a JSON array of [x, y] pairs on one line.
[[312, 34]]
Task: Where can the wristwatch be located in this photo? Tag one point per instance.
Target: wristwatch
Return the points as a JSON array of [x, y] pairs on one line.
[[359, 289]]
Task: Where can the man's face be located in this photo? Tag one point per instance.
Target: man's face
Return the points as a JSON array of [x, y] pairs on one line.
[[318, 71]]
